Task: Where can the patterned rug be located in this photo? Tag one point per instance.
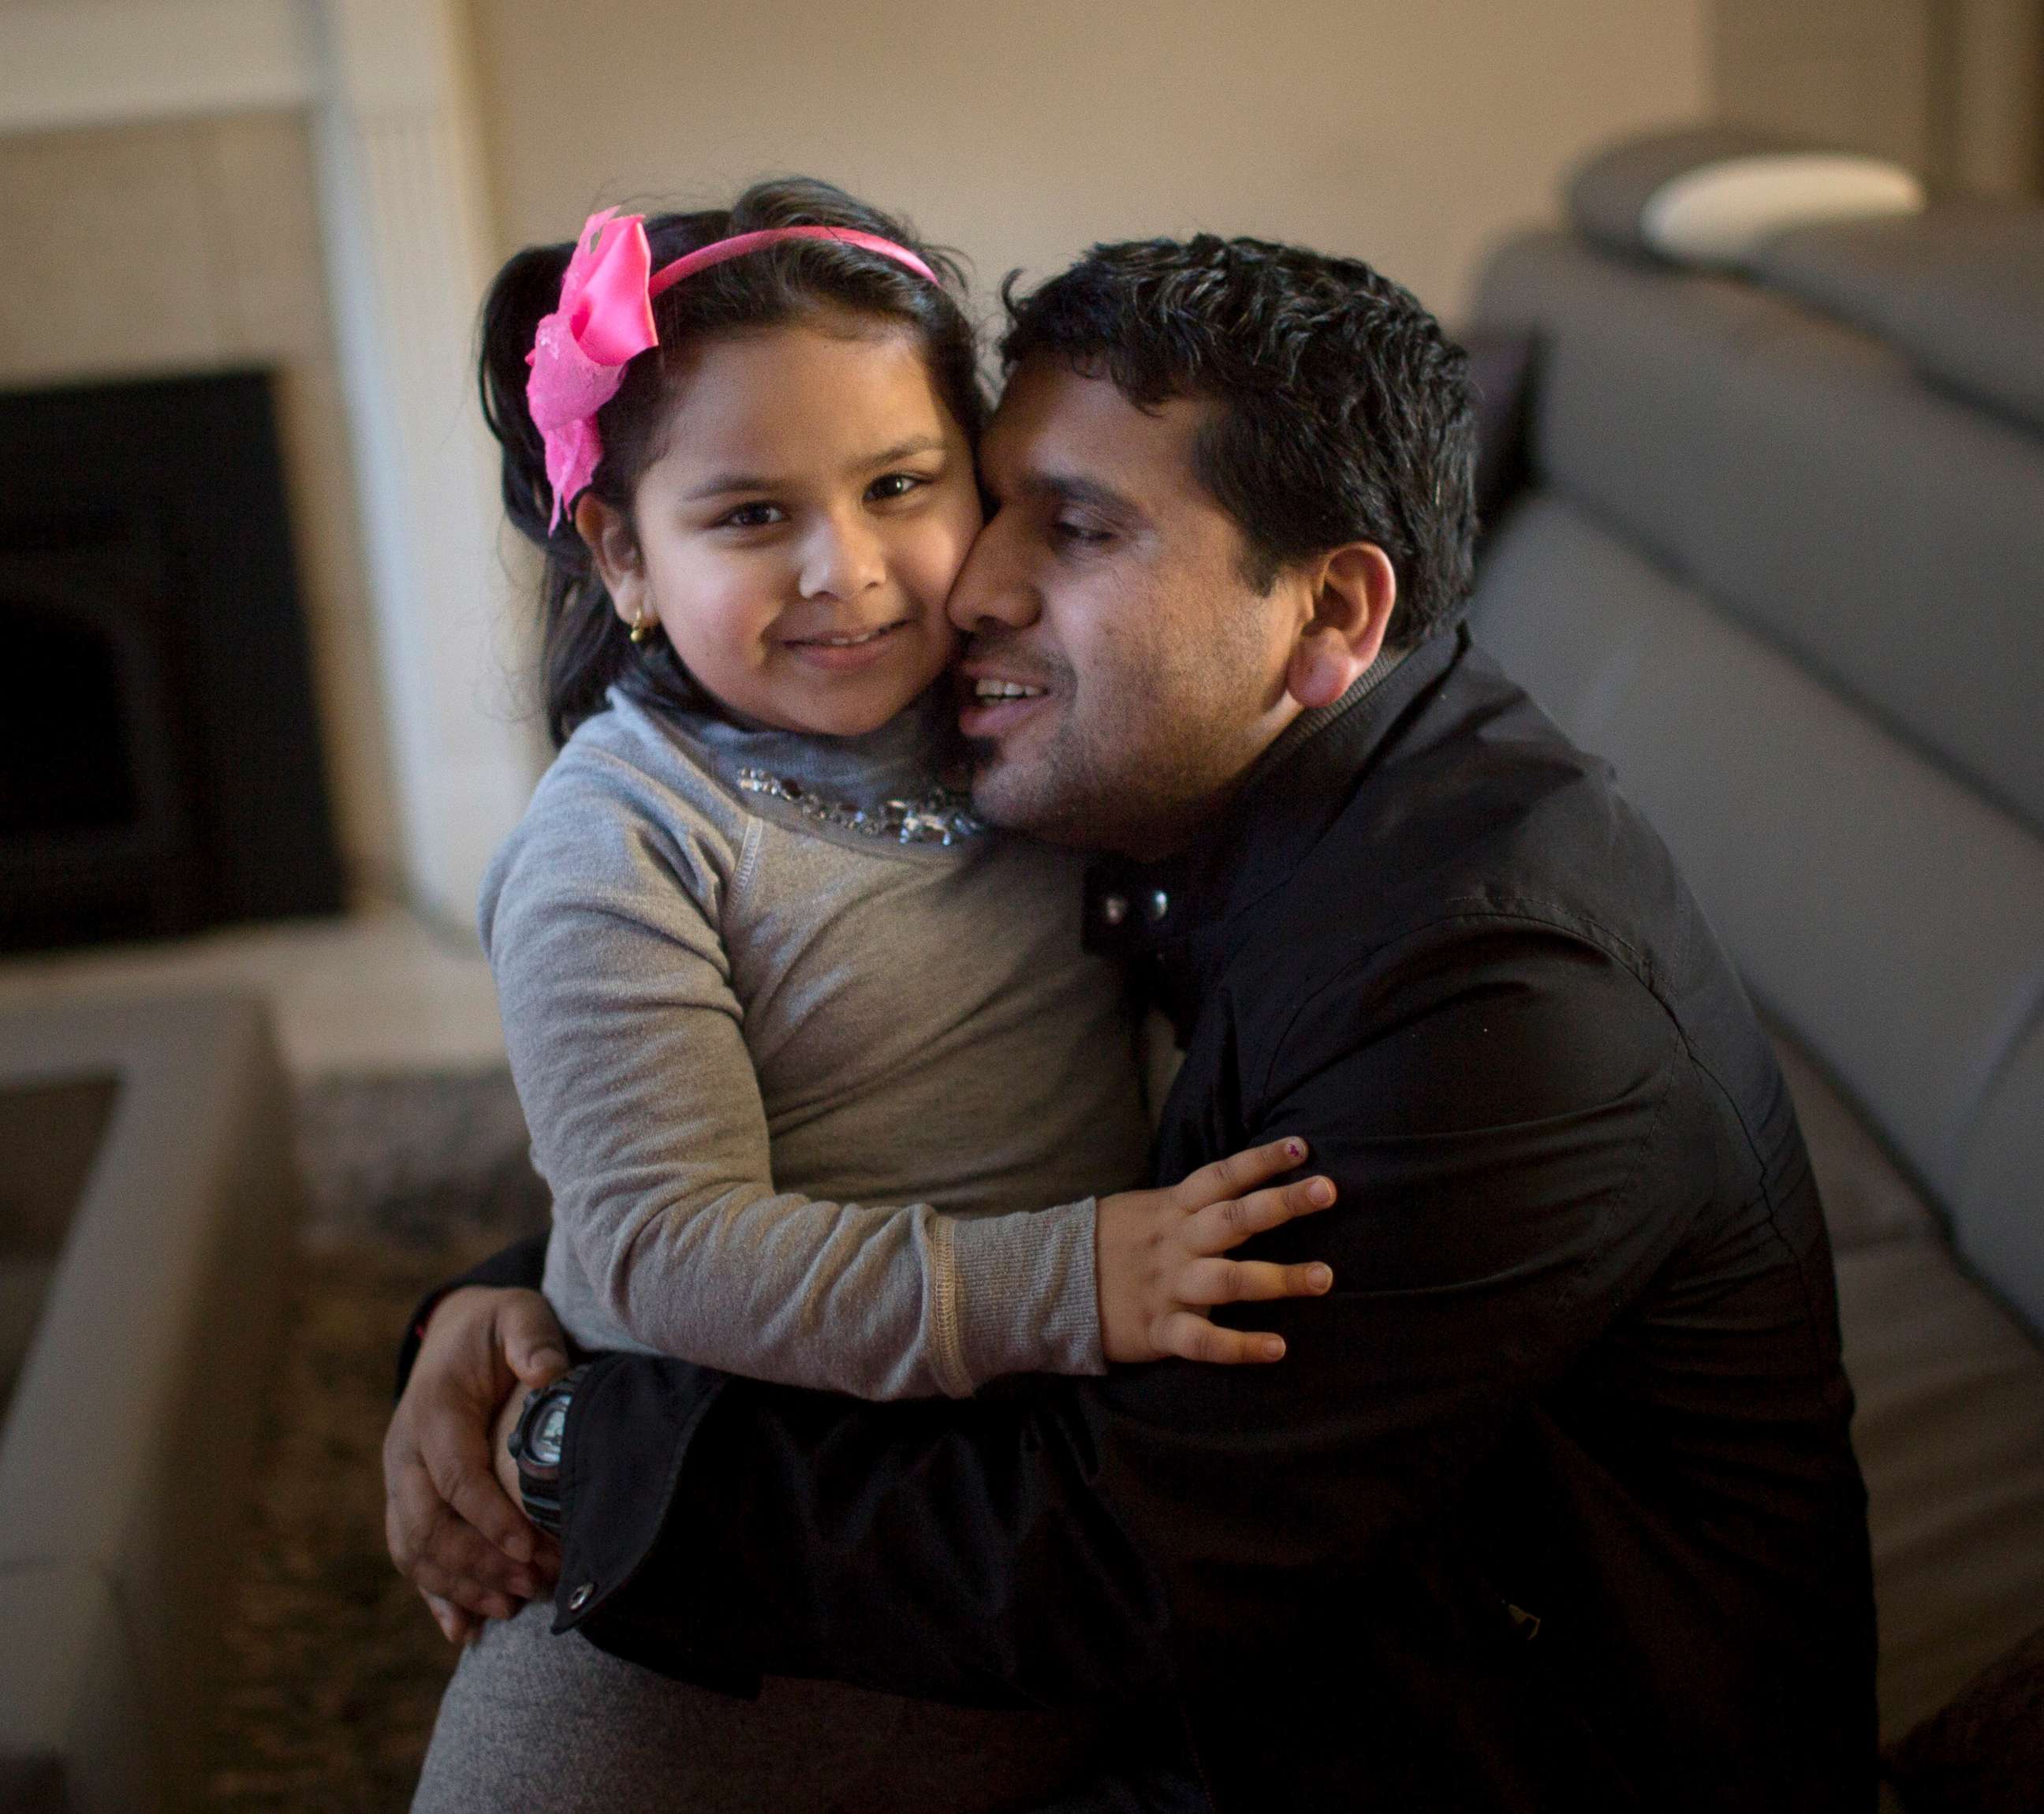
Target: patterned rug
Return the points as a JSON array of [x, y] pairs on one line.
[[334, 1669]]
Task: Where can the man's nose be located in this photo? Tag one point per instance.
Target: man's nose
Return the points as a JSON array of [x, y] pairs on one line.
[[993, 589], [842, 557]]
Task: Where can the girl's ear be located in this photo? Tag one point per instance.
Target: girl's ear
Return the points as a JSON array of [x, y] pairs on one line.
[[615, 549], [1353, 589]]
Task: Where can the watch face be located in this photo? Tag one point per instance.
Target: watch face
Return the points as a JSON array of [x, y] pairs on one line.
[[545, 1445]]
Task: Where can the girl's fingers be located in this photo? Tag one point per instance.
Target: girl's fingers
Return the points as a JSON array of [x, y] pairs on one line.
[[1238, 1173], [1211, 1282], [1191, 1337], [1220, 1226]]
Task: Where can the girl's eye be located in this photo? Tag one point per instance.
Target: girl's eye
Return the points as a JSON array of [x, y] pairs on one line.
[[895, 485], [749, 517]]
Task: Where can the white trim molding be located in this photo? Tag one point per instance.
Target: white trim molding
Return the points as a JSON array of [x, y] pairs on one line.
[[104, 63], [407, 228]]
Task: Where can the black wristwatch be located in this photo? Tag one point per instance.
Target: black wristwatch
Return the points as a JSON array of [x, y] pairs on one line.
[[535, 1446]]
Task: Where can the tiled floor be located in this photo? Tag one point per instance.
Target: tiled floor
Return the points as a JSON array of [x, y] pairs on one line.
[[381, 990]]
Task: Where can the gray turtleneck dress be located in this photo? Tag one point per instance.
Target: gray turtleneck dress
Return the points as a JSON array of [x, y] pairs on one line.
[[816, 1106]]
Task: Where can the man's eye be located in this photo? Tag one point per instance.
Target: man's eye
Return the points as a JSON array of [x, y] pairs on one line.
[[895, 485], [749, 517], [1079, 535]]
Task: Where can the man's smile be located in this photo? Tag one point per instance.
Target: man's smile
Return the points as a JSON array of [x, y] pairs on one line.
[[990, 705]]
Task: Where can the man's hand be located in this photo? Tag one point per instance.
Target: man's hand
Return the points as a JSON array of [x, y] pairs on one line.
[[453, 1532]]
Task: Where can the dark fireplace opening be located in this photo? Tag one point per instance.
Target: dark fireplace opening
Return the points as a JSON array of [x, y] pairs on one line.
[[160, 764], [65, 758]]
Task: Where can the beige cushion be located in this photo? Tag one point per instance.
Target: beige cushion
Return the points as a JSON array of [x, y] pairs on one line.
[[1951, 1434], [1951, 1429], [1984, 1754], [1722, 214], [1866, 1198]]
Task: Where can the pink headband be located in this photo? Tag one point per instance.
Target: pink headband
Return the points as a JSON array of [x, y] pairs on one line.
[[604, 320]]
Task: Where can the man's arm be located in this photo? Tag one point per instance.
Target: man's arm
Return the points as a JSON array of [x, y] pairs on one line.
[[1493, 1107]]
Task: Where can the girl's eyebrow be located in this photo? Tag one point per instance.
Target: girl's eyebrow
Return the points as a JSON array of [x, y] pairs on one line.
[[907, 450], [726, 483]]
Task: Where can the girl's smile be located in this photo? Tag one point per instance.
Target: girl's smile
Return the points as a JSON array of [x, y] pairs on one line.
[[798, 534]]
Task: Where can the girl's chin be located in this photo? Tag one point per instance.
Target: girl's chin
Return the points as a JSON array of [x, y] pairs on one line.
[[850, 712]]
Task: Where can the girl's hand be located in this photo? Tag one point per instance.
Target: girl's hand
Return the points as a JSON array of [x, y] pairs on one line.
[[1157, 1255]]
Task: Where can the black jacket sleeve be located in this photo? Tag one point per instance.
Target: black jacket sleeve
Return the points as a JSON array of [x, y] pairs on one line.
[[1494, 1108]]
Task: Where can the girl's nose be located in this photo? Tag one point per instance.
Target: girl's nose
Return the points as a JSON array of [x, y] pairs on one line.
[[842, 558]]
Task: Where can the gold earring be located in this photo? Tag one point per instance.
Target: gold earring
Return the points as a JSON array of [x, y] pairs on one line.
[[642, 627]]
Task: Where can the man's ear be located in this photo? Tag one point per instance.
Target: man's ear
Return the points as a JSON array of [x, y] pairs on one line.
[[615, 549], [1352, 590]]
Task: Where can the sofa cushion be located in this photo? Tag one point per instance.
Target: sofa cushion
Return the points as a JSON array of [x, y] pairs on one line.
[[1959, 289], [1806, 478], [1983, 1754], [1950, 1434], [1718, 217], [1999, 1208], [1866, 1198]]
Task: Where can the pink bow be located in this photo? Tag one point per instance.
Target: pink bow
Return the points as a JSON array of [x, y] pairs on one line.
[[580, 352]]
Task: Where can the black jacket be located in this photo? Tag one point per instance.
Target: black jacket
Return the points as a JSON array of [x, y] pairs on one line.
[[1551, 1503]]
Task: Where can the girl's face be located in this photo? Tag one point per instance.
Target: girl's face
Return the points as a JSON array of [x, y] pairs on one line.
[[798, 534]]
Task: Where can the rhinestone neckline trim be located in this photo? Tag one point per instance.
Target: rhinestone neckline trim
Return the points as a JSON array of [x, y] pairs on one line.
[[942, 817]]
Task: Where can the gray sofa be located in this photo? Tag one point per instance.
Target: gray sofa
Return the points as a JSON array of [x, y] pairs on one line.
[[1780, 560]]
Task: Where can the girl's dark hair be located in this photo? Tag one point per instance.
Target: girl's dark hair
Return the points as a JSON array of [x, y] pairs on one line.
[[585, 649]]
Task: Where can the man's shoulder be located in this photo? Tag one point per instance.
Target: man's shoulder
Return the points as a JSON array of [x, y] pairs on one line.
[[1481, 856], [1476, 814]]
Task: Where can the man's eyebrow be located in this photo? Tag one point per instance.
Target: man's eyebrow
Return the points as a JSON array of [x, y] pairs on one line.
[[729, 482], [1070, 488]]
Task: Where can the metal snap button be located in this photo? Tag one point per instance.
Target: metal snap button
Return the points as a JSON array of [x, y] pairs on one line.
[[581, 1596], [1158, 905], [1113, 908]]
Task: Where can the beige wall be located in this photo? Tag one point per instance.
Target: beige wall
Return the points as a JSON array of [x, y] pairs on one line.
[[1954, 89], [193, 246], [1409, 134]]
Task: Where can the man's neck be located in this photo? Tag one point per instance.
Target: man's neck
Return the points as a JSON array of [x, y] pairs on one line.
[[1157, 842], [1308, 725]]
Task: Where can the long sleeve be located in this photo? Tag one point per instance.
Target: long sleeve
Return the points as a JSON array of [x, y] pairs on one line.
[[626, 1036], [1069, 1541]]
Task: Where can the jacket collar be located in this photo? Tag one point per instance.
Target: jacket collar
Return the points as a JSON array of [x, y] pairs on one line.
[[1168, 918]]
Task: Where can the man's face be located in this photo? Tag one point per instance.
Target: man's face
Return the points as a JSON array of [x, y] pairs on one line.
[[1123, 672]]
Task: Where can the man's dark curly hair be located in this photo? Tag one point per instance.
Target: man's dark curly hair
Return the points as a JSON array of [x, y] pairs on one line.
[[1345, 412]]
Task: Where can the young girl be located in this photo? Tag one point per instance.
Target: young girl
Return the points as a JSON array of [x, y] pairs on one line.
[[814, 1065]]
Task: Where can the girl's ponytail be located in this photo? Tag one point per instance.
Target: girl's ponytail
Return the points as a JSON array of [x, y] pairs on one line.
[[583, 649]]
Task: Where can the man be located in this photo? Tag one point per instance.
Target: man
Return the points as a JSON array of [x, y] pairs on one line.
[[1551, 1503]]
